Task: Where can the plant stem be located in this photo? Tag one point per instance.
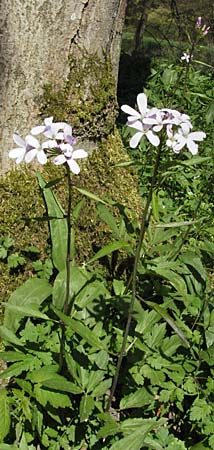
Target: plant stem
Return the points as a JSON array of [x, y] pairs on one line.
[[66, 307], [134, 276]]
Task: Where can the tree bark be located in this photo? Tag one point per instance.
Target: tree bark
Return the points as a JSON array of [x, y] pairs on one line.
[[37, 37]]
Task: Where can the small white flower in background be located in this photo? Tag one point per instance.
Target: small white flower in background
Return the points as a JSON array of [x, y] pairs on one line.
[[149, 121], [186, 57], [19, 152], [198, 23], [58, 147]]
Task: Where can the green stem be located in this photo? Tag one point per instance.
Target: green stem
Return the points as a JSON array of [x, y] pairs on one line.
[[134, 277], [66, 307]]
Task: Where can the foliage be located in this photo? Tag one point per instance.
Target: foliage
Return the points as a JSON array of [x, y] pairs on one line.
[[61, 345], [22, 205]]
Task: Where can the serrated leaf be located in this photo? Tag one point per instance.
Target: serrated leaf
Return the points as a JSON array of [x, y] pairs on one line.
[[4, 414], [55, 399], [9, 336], [108, 249], [11, 356], [102, 388], [59, 383], [33, 292], [86, 407], [109, 429], [133, 441], [18, 367], [137, 399], [26, 311]]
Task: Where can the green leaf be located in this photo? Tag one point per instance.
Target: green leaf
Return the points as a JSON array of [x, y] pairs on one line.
[[43, 374], [58, 225], [166, 273], [52, 182], [135, 440], [11, 356], [176, 224], [23, 443], [9, 336], [59, 383], [91, 195], [15, 260], [78, 278], [82, 330], [109, 429], [18, 367], [169, 320], [4, 415], [32, 292], [86, 407], [26, 311], [102, 388], [109, 219], [155, 205], [108, 249], [137, 399], [8, 447], [200, 410], [55, 399]]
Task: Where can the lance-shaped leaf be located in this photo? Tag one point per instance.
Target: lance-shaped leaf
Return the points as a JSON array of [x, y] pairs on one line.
[[108, 249], [58, 225], [4, 414]]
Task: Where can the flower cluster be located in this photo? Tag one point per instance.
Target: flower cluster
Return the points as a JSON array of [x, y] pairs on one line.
[[58, 145], [204, 29], [149, 121]]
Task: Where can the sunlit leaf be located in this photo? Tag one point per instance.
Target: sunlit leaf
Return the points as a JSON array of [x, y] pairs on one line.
[[4, 414]]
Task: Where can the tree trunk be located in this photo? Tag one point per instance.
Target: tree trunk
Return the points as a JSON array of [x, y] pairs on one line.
[[37, 38], [141, 25]]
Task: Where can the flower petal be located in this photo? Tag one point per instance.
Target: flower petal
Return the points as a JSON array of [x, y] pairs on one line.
[[132, 112], [32, 141], [17, 153], [18, 140], [192, 147], [153, 138], [79, 154], [137, 125], [42, 157], [74, 167], [197, 135], [60, 159], [142, 103], [48, 121], [30, 155], [134, 141], [37, 130]]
